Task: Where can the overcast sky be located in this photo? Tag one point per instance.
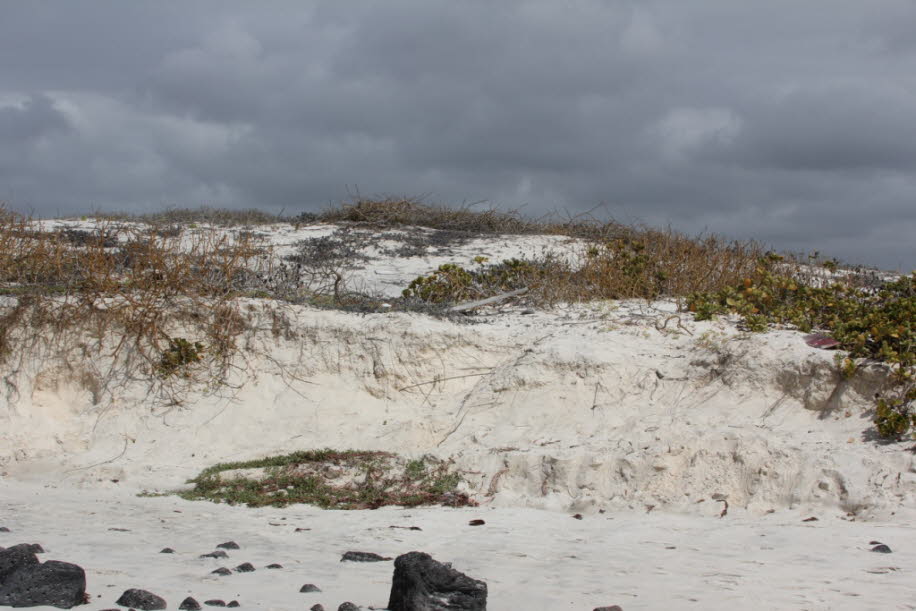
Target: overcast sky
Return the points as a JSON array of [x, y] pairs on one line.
[[793, 122]]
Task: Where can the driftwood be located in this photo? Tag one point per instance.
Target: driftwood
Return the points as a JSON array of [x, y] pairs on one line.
[[464, 307]]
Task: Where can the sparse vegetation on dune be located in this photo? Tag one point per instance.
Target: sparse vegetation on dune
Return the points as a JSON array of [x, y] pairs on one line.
[[219, 217], [159, 298], [331, 479], [119, 291]]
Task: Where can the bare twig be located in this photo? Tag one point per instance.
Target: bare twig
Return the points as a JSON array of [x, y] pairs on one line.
[[464, 307], [105, 462], [437, 380]]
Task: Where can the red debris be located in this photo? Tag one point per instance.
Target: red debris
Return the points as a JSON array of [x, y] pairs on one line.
[[819, 340]]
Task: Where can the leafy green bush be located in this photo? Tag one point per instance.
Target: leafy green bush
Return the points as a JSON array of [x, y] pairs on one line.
[[452, 283], [868, 324]]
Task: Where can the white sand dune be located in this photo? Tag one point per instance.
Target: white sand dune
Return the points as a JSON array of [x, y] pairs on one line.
[[628, 413]]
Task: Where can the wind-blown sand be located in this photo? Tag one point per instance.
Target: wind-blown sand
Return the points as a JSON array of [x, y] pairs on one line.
[[625, 412]]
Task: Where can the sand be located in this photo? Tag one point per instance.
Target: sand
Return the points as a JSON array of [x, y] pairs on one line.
[[627, 413]]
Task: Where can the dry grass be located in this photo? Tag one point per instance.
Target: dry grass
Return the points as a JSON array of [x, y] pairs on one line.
[[205, 215], [394, 212], [120, 294]]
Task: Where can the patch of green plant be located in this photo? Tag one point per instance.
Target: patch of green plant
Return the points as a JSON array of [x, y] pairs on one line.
[[374, 479], [873, 324], [179, 356], [846, 366], [452, 283]]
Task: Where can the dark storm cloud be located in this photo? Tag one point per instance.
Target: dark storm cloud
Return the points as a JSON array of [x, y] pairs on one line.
[[789, 122], [36, 116]]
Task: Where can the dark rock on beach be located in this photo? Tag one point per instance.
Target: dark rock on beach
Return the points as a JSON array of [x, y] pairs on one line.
[[310, 587], [189, 604], [33, 548], [215, 602], [317, 607], [274, 566], [347, 606], [881, 549], [166, 550], [362, 557], [141, 599], [229, 545], [217, 554], [611, 608], [245, 567], [233, 603], [420, 582], [14, 558], [25, 582], [4, 529], [221, 571]]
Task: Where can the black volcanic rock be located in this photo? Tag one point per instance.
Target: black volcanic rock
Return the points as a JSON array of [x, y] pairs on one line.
[[362, 557], [29, 547], [881, 549], [217, 554], [221, 571], [141, 599], [189, 604], [421, 583], [310, 587], [25, 582], [229, 545], [15, 558], [245, 567]]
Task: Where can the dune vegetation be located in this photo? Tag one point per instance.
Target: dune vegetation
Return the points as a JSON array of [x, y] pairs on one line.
[[141, 285]]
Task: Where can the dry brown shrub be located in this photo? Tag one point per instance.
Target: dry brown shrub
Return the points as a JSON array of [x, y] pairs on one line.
[[176, 217], [125, 303], [395, 212]]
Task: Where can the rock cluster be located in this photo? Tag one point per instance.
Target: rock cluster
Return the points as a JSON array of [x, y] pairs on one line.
[[420, 583]]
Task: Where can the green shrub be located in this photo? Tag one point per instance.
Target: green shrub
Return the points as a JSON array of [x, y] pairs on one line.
[[875, 324], [452, 283]]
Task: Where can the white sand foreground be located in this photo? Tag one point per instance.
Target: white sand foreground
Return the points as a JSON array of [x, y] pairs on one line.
[[530, 559]]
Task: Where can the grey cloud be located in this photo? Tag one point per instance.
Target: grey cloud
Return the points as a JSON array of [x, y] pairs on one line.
[[783, 121], [34, 117], [837, 128]]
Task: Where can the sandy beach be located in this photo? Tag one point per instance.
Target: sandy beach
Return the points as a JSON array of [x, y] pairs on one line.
[[641, 420]]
